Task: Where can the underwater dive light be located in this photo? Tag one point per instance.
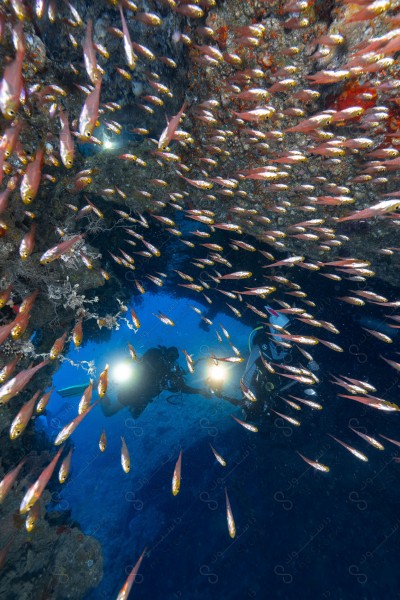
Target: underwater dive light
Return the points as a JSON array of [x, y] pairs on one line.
[[108, 144], [217, 373], [121, 372]]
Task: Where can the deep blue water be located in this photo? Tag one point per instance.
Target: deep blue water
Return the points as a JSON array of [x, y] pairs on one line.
[[300, 533]]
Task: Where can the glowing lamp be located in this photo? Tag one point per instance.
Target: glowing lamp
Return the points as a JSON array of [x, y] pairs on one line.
[[217, 373], [107, 144], [121, 372]]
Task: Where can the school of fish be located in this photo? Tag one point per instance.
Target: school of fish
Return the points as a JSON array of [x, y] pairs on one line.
[[282, 135]]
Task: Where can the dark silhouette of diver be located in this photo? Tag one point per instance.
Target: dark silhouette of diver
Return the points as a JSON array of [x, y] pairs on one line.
[[265, 385], [157, 370]]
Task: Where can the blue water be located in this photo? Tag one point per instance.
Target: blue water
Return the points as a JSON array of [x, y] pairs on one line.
[[127, 512], [300, 533]]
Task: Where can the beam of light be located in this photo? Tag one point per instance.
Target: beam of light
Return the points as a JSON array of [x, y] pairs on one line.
[[121, 372]]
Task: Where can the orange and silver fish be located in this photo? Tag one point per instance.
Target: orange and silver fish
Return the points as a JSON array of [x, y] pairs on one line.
[[331, 345], [68, 430], [266, 364], [27, 243], [176, 478], [164, 319], [309, 403], [58, 346], [299, 378], [32, 517], [383, 207], [228, 359], [125, 458], [132, 352], [130, 56], [314, 463], [31, 178], [247, 393], [248, 426], [103, 382], [200, 184], [9, 369], [353, 451], [184, 275], [43, 402], [299, 339], [189, 361], [225, 332], [378, 335], [89, 54], [60, 249], [140, 287], [11, 84], [126, 588], [16, 384], [219, 458], [374, 402], [103, 441], [155, 251], [135, 319], [192, 286], [286, 418], [395, 442], [67, 149], [363, 384], [229, 517], [21, 325], [90, 111], [392, 363], [169, 132], [287, 262], [28, 302], [23, 417], [77, 333], [9, 479], [237, 275], [368, 439], [36, 490], [5, 296], [86, 399], [65, 467]]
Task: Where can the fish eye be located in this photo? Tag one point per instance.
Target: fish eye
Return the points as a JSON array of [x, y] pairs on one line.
[[11, 112]]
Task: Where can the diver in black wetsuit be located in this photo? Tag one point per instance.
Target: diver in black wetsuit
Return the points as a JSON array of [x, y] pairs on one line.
[[157, 370], [268, 386], [265, 385]]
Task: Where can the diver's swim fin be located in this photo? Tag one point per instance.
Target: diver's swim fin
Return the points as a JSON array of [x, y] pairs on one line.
[[72, 390]]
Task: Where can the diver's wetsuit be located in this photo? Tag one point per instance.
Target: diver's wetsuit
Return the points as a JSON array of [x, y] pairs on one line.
[[156, 371], [264, 385]]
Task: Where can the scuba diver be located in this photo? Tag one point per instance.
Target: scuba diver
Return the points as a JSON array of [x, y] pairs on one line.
[[157, 370], [265, 385]]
